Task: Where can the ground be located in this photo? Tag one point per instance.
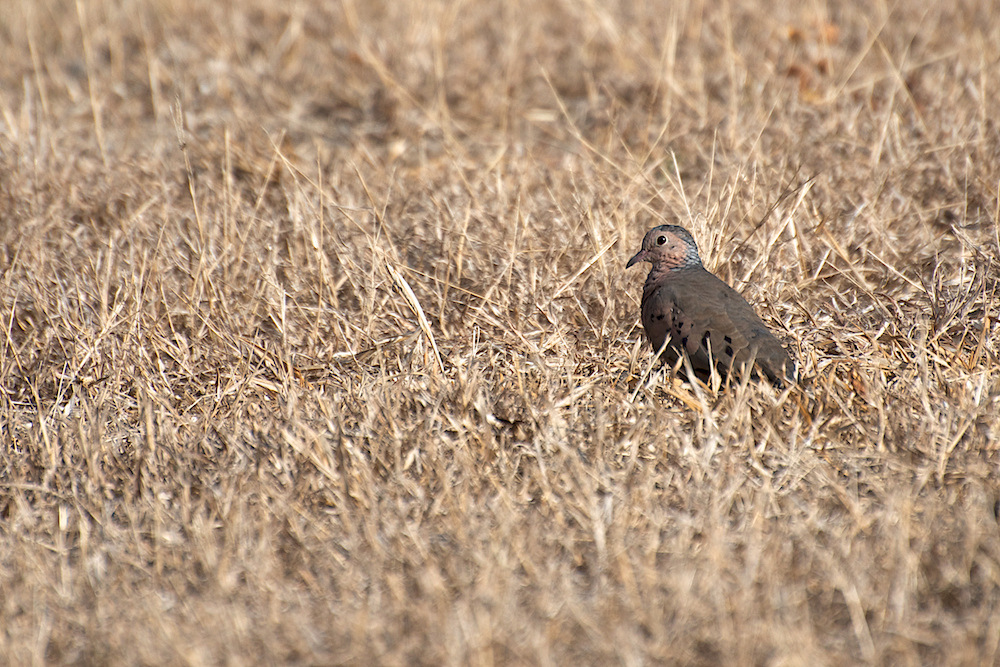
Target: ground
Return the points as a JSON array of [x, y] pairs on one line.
[[318, 346]]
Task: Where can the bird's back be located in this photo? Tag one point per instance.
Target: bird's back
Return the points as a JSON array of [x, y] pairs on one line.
[[709, 319]]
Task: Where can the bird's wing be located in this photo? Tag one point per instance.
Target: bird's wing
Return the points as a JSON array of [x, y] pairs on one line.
[[716, 323]]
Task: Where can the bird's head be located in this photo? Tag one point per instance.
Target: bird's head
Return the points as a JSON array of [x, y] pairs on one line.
[[668, 247]]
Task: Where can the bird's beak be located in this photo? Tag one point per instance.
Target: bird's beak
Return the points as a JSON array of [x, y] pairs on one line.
[[639, 257]]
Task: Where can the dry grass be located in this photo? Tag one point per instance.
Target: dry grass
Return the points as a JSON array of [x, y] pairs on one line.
[[318, 347]]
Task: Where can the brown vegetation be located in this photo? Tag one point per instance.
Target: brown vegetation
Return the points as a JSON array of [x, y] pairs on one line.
[[318, 347]]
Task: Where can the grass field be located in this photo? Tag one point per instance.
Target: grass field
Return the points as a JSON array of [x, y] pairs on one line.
[[318, 346]]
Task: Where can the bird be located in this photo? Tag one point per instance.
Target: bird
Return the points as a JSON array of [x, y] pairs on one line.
[[687, 308]]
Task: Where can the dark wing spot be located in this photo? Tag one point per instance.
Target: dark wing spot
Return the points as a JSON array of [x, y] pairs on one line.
[[659, 318], [728, 339], [684, 341], [729, 350]]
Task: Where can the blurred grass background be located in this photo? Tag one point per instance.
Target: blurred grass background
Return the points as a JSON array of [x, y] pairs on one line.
[[318, 347]]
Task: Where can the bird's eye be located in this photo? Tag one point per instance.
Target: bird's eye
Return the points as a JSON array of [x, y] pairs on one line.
[[660, 240]]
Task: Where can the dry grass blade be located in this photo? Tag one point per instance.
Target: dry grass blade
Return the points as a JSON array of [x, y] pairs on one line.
[[411, 299], [583, 269]]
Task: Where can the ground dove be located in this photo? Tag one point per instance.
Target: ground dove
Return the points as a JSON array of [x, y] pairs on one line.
[[686, 307]]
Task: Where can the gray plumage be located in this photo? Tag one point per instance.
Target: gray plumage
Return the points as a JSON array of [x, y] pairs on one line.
[[689, 308]]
